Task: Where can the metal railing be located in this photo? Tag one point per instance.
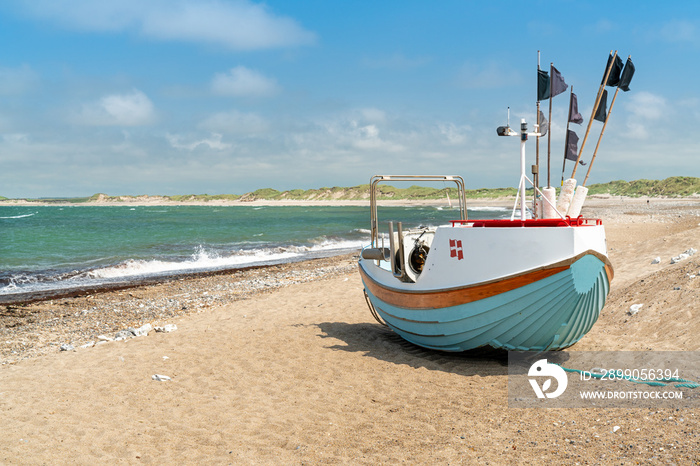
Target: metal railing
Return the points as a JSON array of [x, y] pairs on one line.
[[375, 180]]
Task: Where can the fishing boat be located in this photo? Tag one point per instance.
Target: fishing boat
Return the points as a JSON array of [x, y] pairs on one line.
[[534, 282], [526, 284]]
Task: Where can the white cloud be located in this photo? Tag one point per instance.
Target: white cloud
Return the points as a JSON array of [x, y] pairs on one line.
[[373, 115], [235, 122], [243, 82], [239, 25], [647, 106], [645, 112], [132, 109], [452, 134], [365, 137], [214, 142]]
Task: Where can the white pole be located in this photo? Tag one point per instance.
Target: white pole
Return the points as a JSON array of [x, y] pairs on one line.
[[523, 140]]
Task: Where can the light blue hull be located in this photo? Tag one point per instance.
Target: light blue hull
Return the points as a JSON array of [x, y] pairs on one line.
[[549, 314]]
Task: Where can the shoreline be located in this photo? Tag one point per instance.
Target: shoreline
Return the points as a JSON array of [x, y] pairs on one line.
[[150, 201], [88, 312], [126, 283], [137, 202]]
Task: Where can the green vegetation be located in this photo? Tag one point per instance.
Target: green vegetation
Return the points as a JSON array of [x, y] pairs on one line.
[[203, 197], [57, 200], [677, 186]]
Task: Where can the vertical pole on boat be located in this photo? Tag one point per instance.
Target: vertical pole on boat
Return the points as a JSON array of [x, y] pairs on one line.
[[549, 133], [523, 140], [566, 139], [595, 107], [536, 175], [605, 123]]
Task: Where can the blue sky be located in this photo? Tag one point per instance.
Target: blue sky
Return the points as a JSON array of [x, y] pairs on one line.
[[224, 96]]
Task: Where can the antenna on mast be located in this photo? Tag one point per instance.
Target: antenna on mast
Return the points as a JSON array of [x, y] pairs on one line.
[[506, 130]]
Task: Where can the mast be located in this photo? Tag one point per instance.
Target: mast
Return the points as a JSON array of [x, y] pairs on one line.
[[523, 140], [566, 139], [536, 167], [549, 133], [603, 130], [595, 107]]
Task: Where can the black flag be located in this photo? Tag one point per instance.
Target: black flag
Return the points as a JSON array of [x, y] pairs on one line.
[[558, 85], [627, 74], [544, 125], [571, 146], [542, 85], [614, 76], [574, 115], [602, 112]]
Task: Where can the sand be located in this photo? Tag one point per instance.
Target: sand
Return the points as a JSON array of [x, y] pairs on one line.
[[286, 365]]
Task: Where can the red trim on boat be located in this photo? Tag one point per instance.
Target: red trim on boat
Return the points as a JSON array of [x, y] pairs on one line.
[[540, 222]]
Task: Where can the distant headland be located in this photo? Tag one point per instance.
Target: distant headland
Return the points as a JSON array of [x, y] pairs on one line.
[[673, 187]]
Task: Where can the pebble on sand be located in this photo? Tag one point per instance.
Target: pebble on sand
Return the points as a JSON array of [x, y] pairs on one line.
[[166, 328], [683, 256]]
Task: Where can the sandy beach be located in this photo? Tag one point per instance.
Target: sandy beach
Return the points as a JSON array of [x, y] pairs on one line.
[[286, 365]]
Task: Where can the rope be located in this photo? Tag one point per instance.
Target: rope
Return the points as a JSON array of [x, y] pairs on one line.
[[373, 310]]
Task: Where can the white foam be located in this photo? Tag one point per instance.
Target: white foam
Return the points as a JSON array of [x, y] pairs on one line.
[[22, 216], [330, 245], [207, 260], [201, 260], [489, 209]]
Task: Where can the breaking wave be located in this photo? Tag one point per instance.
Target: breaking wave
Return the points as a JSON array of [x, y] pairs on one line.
[[20, 216], [203, 259]]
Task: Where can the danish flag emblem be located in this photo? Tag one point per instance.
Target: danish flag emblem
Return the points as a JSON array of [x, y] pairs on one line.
[[456, 249]]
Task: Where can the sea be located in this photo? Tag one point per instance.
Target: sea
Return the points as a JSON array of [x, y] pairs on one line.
[[47, 250]]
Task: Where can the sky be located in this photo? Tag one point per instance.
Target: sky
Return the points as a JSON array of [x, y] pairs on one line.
[[130, 97]]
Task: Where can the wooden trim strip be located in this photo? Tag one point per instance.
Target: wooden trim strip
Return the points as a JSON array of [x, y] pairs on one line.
[[437, 299]]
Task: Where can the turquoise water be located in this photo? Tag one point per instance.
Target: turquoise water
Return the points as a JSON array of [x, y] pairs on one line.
[[59, 247]]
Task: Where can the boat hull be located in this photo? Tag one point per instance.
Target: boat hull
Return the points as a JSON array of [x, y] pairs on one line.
[[547, 308]]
